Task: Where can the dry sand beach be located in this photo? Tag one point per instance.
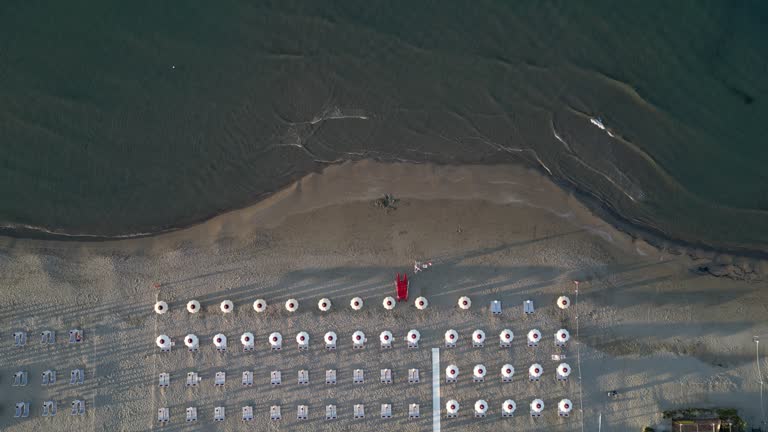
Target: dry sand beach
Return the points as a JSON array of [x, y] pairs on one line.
[[650, 326]]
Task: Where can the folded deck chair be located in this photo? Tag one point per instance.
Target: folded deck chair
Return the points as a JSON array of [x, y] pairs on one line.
[[495, 307], [274, 412], [19, 338], [20, 379], [76, 376], [78, 407], [191, 414], [193, 379], [248, 378], [164, 379], [386, 411], [22, 410], [47, 337], [49, 408], [386, 376], [330, 412], [163, 415], [330, 376], [302, 412], [75, 336], [219, 414], [276, 378], [358, 376], [303, 377], [247, 413], [220, 378], [413, 411], [359, 411], [413, 376]]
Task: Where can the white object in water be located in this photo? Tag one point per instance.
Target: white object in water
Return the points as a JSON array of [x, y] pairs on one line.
[[356, 303], [161, 307], [193, 306], [324, 305]]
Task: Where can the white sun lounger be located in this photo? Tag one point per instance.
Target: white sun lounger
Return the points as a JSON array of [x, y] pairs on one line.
[[386, 411], [220, 379], [191, 414], [413, 411], [164, 379], [22, 410], [274, 413], [219, 414], [330, 412], [386, 376], [303, 377], [495, 307], [19, 338], [359, 411], [248, 378], [76, 376], [76, 336], [276, 378], [358, 376], [47, 337], [78, 407], [413, 376], [20, 379], [330, 376], [247, 413], [528, 307], [193, 379], [163, 415], [49, 408], [302, 412]]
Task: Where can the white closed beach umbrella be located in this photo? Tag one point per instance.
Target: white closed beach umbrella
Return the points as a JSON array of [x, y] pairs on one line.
[[465, 303], [565, 406], [259, 305], [275, 339], [302, 338], [163, 342], [506, 336], [330, 337], [358, 338], [478, 336], [536, 370], [324, 305], [191, 341], [564, 369], [356, 303], [193, 306], [389, 303], [508, 406], [481, 407], [479, 371], [291, 305], [452, 371], [563, 302], [507, 370], [421, 303], [534, 335], [161, 307], [413, 336], [226, 306], [247, 339], [220, 341], [452, 406], [537, 405], [562, 336], [385, 337], [451, 336]]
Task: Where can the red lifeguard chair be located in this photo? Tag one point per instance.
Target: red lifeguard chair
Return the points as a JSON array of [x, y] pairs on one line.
[[402, 287]]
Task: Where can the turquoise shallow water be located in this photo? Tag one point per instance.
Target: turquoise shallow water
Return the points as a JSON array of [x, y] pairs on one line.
[[122, 118]]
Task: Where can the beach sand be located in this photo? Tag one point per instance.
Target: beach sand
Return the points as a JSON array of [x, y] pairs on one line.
[[649, 324]]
